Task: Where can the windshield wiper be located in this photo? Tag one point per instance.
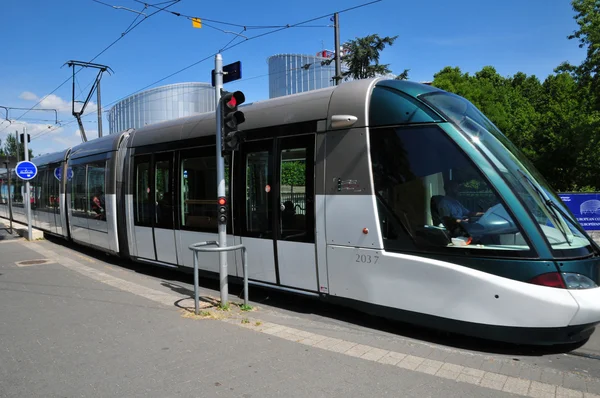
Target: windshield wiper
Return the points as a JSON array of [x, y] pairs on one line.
[[574, 223], [550, 205]]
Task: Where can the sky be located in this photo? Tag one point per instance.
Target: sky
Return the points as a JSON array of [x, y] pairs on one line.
[[40, 36]]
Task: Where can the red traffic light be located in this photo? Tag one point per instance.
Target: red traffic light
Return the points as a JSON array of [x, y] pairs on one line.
[[232, 100], [222, 201]]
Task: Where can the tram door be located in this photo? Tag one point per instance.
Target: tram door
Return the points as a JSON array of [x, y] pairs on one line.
[[278, 216], [154, 195]]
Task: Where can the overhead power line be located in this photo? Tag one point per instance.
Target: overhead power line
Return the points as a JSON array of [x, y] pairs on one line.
[[204, 20], [173, 2], [289, 26]]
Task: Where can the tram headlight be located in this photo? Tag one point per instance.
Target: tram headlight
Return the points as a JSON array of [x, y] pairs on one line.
[[578, 281]]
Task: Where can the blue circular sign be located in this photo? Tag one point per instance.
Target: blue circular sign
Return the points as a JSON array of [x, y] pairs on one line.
[[26, 170], [58, 173]]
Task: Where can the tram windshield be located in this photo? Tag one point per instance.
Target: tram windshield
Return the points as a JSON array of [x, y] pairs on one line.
[[430, 195], [557, 223]]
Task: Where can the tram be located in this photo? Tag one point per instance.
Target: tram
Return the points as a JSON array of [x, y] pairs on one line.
[[390, 196]]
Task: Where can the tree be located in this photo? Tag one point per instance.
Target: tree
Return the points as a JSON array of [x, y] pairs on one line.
[[363, 57], [403, 75], [10, 148], [588, 18], [293, 174]]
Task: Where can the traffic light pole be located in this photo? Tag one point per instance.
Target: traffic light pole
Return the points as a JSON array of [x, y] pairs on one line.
[[222, 227], [338, 66], [27, 187]]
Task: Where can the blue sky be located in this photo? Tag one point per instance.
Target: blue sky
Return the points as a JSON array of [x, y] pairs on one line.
[[39, 36]]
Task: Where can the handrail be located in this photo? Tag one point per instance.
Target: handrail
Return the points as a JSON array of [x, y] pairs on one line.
[[201, 247]]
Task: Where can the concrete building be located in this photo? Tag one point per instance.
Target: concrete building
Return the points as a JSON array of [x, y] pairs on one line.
[[161, 103]]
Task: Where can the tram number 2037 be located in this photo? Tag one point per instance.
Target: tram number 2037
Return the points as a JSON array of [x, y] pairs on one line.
[[366, 258]]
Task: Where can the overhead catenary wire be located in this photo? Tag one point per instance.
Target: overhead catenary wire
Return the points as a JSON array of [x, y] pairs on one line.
[[167, 96], [204, 20], [131, 28], [289, 26]]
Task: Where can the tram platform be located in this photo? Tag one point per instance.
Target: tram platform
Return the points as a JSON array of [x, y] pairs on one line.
[[75, 322]]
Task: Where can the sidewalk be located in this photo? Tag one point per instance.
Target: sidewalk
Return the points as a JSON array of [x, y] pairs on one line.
[[76, 325]]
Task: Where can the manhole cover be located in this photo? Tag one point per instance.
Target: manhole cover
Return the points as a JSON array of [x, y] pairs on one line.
[[32, 262]]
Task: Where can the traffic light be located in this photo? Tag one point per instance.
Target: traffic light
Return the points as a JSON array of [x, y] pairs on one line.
[[222, 210], [22, 137], [230, 119]]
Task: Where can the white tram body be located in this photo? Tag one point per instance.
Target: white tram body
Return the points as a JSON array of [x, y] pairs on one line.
[[347, 193]]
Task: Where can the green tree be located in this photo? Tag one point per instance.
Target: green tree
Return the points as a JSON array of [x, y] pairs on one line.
[[588, 18], [363, 57], [403, 75], [11, 147], [555, 123], [293, 174]]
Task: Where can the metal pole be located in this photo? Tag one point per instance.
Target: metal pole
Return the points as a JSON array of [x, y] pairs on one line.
[[99, 108], [338, 67], [27, 198], [245, 259], [221, 180], [10, 212], [18, 144], [196, 298]]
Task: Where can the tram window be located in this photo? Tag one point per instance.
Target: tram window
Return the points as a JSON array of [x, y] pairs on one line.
[[429, 190], [391, 107], [35, 186], [40, 193], [3, 188], [199, 193], [164, 192], [96, 190], [78, 192], [17, 190], [295, 180], [53, 187], [258, 220], [142, 199]]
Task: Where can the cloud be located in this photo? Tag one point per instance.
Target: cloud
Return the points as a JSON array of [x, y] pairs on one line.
[[45, 138], [67, 141], [48, 137], [34, 130], [53, 101], [28, 96]]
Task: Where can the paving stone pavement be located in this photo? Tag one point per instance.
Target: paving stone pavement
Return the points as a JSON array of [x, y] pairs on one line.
[[108, 336]]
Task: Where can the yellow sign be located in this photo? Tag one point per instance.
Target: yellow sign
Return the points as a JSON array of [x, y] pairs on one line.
[[196, 22]]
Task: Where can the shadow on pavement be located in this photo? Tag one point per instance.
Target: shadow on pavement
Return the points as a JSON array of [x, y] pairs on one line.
[[177, 280]]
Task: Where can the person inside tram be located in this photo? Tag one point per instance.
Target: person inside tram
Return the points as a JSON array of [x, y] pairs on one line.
[[98, 204], [288, 214], [449, 206]]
